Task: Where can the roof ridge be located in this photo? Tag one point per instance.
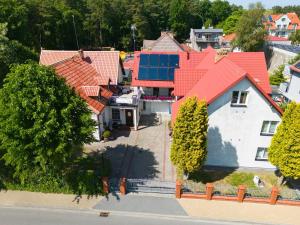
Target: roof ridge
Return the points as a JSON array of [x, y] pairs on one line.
[[65, 60]]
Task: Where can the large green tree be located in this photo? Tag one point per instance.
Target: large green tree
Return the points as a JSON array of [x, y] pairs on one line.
[[284, 151], [188, 150], [277, 76], [295, 37], [229, 25], [12, 52], [250, 29], [41, 120]]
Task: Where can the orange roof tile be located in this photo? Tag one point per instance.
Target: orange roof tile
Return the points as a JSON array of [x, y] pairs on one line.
[[80, 75], [106, 63]]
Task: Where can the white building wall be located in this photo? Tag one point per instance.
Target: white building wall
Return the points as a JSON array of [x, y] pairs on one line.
[[99, 127], [293, 90], [234, 132]]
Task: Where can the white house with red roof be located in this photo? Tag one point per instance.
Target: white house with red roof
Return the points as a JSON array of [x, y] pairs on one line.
[[96, 75], [291, 88], [242, 116], [282, 25]]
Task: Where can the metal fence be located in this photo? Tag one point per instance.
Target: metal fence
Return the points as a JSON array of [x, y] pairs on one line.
[[193, 187], [225, 190], [289, 194], [150, 186]]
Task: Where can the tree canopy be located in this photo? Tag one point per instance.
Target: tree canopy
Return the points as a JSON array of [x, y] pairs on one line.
[[284, 151], [295, 37], [188, 150], [277, 76], [250, 30], [12, 52], [49, 24], [41, 120]]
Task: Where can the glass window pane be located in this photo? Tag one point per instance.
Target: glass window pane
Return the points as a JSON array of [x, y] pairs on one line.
[[273, 127], [243, 97], [115, 114], [235, 96], [265, 126], [260, 153]]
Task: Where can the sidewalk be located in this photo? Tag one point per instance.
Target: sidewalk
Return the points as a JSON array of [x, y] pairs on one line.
[[246, 212], [37, 199]]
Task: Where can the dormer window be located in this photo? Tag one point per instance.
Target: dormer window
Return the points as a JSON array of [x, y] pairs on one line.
[[239, 98], [283, 19]]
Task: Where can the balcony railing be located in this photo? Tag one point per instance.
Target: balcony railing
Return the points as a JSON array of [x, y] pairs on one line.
[[128, 100], [157, 98], [207, 39]]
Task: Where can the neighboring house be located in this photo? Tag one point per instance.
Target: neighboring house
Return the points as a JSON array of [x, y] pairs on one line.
[[202, 38], [227, 42], [271, 40], [291, 88], [105, 72], [165, 43], [282, 25]]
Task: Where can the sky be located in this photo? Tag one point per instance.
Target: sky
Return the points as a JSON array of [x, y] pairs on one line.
[[267, 3]]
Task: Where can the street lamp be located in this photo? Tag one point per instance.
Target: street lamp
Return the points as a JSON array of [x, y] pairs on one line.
[[133, 28]]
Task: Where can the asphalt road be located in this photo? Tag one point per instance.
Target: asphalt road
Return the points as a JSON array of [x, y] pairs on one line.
[[43, 216]]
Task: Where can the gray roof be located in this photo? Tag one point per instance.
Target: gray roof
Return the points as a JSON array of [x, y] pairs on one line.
[[289, 48], [165, 42], [209, 30]]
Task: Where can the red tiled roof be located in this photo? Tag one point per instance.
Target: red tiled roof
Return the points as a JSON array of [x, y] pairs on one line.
[[80, 75], [187, 75], [255, 65], [224, 75], [128, 64], [91, 90], [293, 17], [275, 38], [106, 63], [187, 48]]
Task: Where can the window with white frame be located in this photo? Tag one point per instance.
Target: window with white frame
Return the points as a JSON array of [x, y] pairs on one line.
[[115, 114], [239, 98], [261, 154], [269, 127]]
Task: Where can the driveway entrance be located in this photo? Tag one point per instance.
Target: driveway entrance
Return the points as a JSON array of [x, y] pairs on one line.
[[142, 154]]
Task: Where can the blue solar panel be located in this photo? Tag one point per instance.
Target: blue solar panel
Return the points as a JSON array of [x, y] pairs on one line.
[[144, 60], [157, 66], [297, 65]]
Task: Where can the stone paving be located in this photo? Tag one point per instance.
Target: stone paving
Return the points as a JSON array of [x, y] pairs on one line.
[[142, 154]]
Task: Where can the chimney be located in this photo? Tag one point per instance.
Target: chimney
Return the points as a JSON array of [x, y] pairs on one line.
[[81, 54], [221, 53]]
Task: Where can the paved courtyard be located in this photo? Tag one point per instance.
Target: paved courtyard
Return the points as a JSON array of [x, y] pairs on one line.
[[142, 154]]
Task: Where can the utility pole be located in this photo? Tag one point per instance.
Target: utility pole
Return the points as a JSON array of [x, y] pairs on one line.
[[75, 32], [133, 28]]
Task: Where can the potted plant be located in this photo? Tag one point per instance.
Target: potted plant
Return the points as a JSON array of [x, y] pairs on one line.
[[106, 135]]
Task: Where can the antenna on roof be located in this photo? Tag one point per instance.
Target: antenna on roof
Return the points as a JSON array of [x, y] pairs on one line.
[[75, 32]]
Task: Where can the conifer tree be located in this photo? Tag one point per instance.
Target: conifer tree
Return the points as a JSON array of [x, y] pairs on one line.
[[188, 150], [284, 151]]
